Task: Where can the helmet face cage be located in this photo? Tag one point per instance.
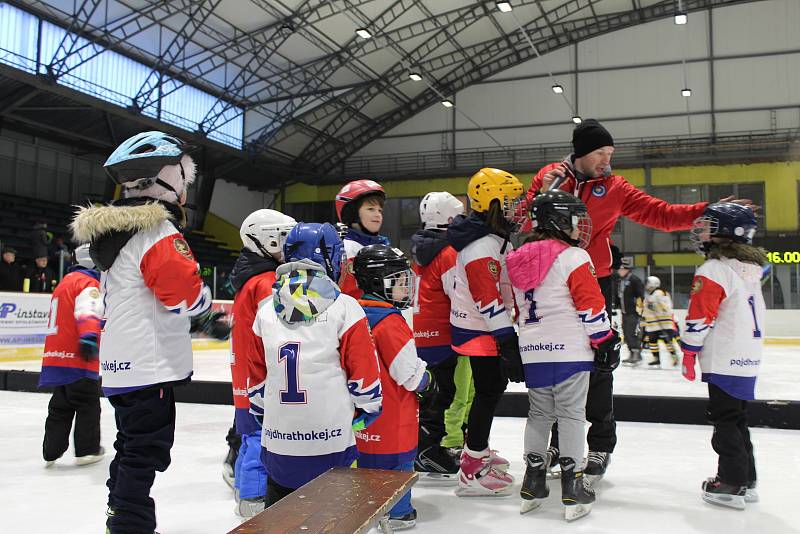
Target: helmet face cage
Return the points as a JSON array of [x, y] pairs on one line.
[[399, 288], [703, 229], [583, 223], [515, 211]]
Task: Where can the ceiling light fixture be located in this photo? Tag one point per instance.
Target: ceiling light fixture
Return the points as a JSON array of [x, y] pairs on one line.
[[415, 77], [446, 103], [577, 120], [363, 33], [686, 92], [505, 7], [681, 19], [558, 89]]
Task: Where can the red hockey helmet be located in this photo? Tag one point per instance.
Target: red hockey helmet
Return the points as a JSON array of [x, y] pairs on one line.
[[350, 193]]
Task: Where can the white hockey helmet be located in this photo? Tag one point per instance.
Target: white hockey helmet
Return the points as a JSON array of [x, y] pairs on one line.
[[83, 258], [438, 208], [264, 232], [652, 283]]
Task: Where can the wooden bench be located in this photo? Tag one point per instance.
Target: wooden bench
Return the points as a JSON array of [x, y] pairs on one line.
[[340, 501]]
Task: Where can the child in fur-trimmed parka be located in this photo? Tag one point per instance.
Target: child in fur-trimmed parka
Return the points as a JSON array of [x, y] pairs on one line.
[[153, 295]]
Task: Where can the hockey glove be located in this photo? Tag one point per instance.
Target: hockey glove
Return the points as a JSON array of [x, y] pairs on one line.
[[87, 347], [687, 369], [606, 353], [510, 360], [363, 419], [428, 388], [212, 323]]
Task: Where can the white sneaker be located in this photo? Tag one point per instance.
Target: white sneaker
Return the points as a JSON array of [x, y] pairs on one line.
[[89, 459]]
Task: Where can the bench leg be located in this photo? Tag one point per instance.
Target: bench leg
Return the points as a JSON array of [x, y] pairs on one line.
[[386, 528]]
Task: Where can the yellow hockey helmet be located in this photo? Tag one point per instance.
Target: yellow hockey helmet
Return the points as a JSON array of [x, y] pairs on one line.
[[494, 184]]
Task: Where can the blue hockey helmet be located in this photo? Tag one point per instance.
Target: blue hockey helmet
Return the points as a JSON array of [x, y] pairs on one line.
[[319, 243], [143, 156], [725, 220]]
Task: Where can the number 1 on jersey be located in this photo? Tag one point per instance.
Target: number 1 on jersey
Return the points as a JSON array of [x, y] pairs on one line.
[[532, 317], [751, 300], [290, 352]]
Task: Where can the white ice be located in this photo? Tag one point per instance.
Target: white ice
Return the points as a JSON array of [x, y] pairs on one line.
[[653, 484], [780, 367]]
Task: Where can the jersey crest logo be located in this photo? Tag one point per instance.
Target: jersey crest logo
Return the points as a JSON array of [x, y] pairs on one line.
[[494, 269], [697, 286], [182, 247], [599, 190], [94, 293]]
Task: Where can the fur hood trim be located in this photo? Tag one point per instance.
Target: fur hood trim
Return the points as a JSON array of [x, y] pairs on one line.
[[92, 222]]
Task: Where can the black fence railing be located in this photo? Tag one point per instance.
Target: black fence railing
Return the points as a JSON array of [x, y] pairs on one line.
[[759, 145]]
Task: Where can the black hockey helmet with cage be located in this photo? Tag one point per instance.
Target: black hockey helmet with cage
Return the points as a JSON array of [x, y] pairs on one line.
[[559, 213], [723, 220], [378, 269]]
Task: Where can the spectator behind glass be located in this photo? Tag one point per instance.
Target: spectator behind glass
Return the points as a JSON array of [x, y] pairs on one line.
[[59, 248], [39, 239], [42, 278], [10, 271]]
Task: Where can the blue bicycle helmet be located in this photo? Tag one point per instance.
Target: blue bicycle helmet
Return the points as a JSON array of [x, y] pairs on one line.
[[143, 156], [317, 242], [726, 220]]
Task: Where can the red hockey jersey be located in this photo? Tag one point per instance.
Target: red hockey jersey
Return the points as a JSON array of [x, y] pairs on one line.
[[75, 311], [394, 434], [432, 308]]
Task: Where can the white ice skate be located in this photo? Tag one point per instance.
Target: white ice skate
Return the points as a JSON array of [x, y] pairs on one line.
[[249, 507], [751, 495], [89, 459], [717, 492]]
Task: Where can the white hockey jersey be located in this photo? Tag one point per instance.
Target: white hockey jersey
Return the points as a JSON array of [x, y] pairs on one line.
[[482, 301], [318, 370], [725, 324], [657, 313], [561, 310]]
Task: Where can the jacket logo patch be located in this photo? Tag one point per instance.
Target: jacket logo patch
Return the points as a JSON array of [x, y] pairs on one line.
[[494, 268], [182, 247], [599, 190], [697, 286], [94, 293]]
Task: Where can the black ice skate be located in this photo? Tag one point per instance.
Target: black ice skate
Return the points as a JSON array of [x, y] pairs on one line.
[[634, 359], [534, 485], [655, 364], [596, 465], [718, 492], [576, 495], [436, 465], [405, 522]]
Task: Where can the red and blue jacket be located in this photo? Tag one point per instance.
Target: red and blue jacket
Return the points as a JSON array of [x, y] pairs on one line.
[[392, 439], [75, 310], [434, 264], [252, 278]]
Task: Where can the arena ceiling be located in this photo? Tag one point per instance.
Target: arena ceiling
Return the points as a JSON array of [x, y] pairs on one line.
[[313, 91]]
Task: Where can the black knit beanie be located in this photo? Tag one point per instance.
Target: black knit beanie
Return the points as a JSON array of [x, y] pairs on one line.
[[588, 136]]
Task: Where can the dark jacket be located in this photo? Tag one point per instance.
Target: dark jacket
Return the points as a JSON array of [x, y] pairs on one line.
[[426, 245], [247, 265], [39, 241], [464, 230], [42, 280], [630, 290], [11, 276]]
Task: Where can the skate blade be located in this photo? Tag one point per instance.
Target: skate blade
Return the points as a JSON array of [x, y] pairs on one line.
[[437, 479], [229, 480], [576, 511], [736, 502], [593, 479], [88, 460], [483, 492], [529, 504], [751, 496]]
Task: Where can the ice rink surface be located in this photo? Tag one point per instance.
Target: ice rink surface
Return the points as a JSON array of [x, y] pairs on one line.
[[653, 484]]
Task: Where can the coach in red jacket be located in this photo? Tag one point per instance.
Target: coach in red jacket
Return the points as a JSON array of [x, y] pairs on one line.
[[586, 173]]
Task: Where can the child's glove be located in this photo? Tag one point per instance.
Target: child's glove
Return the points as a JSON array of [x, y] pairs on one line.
[[212, 323], [689, 359], [363, 419], [510, 360], [428, 388], [606, 353], [87, 348]]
